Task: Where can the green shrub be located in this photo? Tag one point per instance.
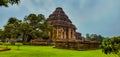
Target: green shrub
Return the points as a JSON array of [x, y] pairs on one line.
[[7, 44], [45, 36], [1, 43], [12, 43], [111, 45], [18, 45]]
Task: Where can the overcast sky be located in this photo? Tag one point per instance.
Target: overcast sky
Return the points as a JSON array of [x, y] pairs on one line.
[[89, 16]]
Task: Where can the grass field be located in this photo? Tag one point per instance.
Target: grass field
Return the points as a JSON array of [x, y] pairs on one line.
[[49, 51]]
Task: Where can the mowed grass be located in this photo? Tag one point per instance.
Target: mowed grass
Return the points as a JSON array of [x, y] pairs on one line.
[[49, 51]]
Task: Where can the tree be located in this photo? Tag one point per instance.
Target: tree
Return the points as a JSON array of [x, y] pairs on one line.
[[25, 30], [88, 37], [94, 37], [7, 2], [34, 23], [1, 33], [33, 26], [11, 28], [111, 45], [46, 28], [100, 38], [8, 31], [39, 26], [35, 20]]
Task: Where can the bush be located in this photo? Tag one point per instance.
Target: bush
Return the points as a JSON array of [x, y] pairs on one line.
[[18, 45], [1, 43], [111, 45], [7, 44], [45, 36]]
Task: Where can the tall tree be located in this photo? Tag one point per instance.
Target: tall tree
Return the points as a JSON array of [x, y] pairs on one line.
[[1, 33], [11, 28], [25, 31], [88, 36], [34, 22], [33, 26]]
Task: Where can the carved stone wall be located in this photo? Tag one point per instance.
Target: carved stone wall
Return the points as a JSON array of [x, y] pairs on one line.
[[77, 45]]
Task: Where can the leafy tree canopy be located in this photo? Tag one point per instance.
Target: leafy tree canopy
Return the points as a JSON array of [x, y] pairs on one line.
[[111, 45], [33, 26], [94, 37], [7, 2]]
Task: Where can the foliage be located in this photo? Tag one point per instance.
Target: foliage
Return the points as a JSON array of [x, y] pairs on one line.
[[18, 45], [1, 33], [34, 23], [33, 26], [7, 2], [11, 29], [94, 37], [45, 36], [1, 43], [111, 45], [7, 44]]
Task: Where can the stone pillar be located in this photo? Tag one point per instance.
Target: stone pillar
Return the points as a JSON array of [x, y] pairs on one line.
[[64, 34], [53, 35], [73, 34], [61, 35], [49, 33], [57, 33], [69, 33]]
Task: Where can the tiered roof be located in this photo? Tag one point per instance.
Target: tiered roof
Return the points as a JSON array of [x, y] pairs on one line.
[[59, 18]]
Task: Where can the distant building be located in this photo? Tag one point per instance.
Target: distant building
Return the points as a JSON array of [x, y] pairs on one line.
[[65, 30]]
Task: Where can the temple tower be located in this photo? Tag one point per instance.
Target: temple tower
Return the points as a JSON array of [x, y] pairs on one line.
[[63, 25]]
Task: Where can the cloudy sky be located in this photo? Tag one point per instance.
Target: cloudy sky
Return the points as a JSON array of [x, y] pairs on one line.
[[89, 16]]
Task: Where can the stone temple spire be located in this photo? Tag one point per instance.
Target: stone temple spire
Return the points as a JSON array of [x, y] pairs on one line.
[[63, 25], [58, 17], [58, 10]]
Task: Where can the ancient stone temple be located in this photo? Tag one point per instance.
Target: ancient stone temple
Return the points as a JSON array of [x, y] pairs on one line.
[[63, 25], [66, 35]]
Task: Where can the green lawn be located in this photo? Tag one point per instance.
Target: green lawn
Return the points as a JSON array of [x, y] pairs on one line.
[[49, 51]]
